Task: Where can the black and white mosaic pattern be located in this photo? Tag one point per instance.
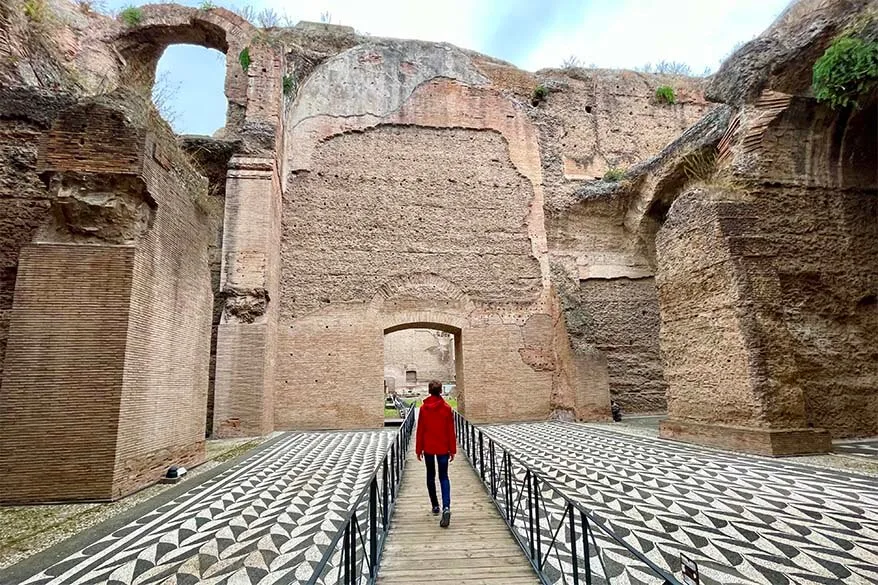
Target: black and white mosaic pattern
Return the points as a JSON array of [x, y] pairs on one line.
[[743, 519], [864, 448], [266, 520]]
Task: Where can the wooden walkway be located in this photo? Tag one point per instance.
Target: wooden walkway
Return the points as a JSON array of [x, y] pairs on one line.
[[476, 549]]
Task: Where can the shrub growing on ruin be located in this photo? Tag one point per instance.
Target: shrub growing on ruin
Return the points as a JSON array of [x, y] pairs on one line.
[[847, 71], [665, 95], [207, 5], [614, 174], [539, 95], [35, 10], [244, 59], [131, 15]]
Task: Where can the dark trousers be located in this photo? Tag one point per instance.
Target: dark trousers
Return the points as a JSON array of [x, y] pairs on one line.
[[444, 484]]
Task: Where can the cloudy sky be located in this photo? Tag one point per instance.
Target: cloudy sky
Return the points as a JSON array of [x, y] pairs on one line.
[[532, 34]]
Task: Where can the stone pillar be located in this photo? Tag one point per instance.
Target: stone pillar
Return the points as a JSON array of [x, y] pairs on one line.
[[106, 368], [731, 383], [247, 334]]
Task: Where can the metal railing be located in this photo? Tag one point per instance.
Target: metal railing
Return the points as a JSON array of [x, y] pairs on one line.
[[354, 553], [564, 542]]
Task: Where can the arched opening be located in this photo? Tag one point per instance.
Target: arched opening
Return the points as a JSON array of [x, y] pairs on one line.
[[189, 89], [415, 354]]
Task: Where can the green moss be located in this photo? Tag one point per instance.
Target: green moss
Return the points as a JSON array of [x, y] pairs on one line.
[[239, 450], [35, 10]]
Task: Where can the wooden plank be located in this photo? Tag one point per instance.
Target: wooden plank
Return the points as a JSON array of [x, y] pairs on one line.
[[476, 549]]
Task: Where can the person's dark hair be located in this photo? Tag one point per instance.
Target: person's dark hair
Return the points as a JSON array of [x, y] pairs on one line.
[[435, 388]]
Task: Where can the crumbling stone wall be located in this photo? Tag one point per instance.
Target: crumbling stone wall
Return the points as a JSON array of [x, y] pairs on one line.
[[767, 273], [110, 322]]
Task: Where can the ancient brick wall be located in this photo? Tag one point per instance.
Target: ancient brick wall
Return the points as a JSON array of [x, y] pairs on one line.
[[376, 206], [372, 209], [111, 320], [59, 401], [428, 352], [23, 207], [164, 396]]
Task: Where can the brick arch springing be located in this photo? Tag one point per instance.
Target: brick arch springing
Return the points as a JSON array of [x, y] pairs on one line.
[[163, 25]]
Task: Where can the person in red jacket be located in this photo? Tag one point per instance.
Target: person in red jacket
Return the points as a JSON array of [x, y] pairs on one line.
[[435, 441]]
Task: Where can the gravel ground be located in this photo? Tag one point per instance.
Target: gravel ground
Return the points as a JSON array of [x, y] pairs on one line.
[[27, 530]]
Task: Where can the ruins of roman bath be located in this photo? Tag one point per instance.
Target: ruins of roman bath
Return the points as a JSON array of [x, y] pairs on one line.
[[379, 212]]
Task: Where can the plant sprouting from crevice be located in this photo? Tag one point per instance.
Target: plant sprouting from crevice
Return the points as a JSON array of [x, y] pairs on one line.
[[244, 59], [540, 93], [614, 174], [847, 71], [289, 84], [131, 15], [35, 10], [665, 95]]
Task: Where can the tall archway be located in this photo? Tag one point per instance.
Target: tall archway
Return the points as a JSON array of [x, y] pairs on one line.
[[430, 362]]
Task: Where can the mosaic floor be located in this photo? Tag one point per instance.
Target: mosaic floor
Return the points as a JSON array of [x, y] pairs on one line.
[[743, 519], [865, 448], [263, 521]]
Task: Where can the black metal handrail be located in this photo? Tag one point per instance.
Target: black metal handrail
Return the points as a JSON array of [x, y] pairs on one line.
[[354, 553], [562, 544]]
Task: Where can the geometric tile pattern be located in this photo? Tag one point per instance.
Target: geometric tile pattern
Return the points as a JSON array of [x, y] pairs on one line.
[[267, 520], [744, 519], [864, 448]]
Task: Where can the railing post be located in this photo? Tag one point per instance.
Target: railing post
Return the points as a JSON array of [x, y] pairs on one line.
[[493, 453], [530, 513], [373, 527], [482, 455], [509, 495], [347, 552], [536, 482], [352, 555], [585, 548], [571, 518], [384, 495]]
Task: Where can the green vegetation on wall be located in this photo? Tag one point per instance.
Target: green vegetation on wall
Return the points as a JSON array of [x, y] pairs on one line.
[[665, 95], [131, 15], [35, 10], [289, 85], [846, 72], [244, 59], [539, 95], [614, 174]]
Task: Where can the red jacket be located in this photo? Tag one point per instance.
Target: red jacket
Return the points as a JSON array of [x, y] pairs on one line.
[[435, 428]]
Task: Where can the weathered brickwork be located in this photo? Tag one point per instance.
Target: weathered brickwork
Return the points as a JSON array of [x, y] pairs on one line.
[[120, 310], [427, 352]]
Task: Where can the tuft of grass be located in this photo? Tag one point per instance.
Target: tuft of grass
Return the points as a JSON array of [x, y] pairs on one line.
[[131, 15], [35, 10], [614, 174], [665, 95], [207, 5], [289, 85], [244, 59], [540, 93], [847, 71]]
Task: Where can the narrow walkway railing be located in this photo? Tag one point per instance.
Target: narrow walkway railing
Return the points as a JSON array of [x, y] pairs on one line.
[[355, 551], [564, 542]]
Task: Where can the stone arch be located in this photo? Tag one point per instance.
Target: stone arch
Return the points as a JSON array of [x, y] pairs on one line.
[[447, 327], [163, 25]]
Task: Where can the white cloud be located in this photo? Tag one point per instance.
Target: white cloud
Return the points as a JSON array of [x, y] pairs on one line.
[[630, 33], [453, 21]]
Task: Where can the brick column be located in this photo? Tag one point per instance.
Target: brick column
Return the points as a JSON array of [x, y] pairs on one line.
[[247, 334]]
